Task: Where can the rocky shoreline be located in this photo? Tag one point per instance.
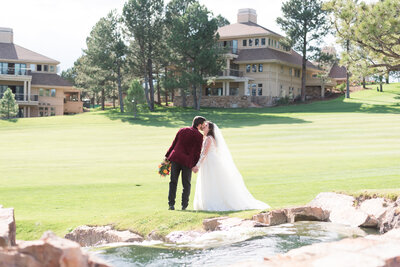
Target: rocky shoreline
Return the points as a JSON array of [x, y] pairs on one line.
[[379, 213]]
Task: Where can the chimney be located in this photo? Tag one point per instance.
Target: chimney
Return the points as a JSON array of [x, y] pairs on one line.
[[247, 15], [6, 35]]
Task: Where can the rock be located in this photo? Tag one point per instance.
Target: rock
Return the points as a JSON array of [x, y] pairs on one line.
[[271, 218], [213, 223], [306, 214], [183, 236], [97, 235], [390, 220], [374, 206], [341, 209], [371, 251], [154, 235], [7, 227], [49, 251]]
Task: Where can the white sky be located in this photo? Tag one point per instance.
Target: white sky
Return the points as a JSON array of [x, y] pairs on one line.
[[58, 28]]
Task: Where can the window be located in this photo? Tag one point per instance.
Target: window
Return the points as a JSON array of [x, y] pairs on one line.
[[38, 67], [297, 73], [33, 67], [250, 42], [254, 89], [290, 71], [248, 68], [53, 92], [291, 96], [41, 92], [47, 92], [3, 68], [263, 41], [46, 68], [259, 91], [214, 91], [281, 69], [52, 68], [269, 42], [52, 111], [256, 42], [260, 67], [254, 68], [244, 42], [233, 91], [274, 43]]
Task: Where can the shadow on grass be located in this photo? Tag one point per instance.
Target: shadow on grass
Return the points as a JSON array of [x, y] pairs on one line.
[[178, 117], [14, 120]]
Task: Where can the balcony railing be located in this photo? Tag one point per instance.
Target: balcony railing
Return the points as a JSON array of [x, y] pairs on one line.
[[231, 50], [22, 97], [14, 71], [231, 72]]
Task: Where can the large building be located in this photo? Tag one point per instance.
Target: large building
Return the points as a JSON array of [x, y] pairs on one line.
[[33, 78], [259, 69]]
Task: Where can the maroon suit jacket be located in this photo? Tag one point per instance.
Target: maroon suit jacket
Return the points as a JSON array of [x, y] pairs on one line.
[[186, 147]]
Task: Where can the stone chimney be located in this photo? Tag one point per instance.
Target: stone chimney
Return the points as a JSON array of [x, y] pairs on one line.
[[247, 15], [6, 35]]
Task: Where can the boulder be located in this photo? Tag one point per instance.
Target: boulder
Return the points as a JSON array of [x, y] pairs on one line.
[[154, 235], [271, 218], [341, 209], [212, 223], [98, 235], [7, 227], [391, 219], [49, 251], [306, 214], [227, 223]]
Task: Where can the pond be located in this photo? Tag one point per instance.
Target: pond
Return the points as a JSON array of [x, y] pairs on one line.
[[229, 247]]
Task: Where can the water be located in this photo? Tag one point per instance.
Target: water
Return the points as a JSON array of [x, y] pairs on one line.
[[225, 248]]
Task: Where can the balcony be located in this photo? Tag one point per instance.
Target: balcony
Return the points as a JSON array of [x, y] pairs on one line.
[[15, 71], [231, 72], [25, 99]]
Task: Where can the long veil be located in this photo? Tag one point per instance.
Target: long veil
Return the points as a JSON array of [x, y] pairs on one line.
[[236, 183]]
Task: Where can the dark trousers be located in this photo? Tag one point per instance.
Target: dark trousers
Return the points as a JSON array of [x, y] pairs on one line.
[[176, 169]]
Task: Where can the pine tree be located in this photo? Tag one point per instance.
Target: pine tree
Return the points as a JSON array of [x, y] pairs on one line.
[[305, 23], [8, 105]]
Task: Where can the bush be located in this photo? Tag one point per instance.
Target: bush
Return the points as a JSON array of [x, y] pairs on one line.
[[283, 100], [341, 87]]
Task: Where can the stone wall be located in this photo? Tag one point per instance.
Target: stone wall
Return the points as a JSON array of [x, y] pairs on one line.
[[313, 92], [227, 101]]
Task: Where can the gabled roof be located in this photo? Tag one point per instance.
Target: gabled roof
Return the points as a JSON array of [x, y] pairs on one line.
[[338, 72], [50, 79], [269, 54], [244, 29], [11, 51]]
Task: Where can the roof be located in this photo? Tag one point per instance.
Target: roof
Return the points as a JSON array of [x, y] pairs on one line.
[[11, 51], [50, 79], [338, 72], [244, 29], [272, 54]]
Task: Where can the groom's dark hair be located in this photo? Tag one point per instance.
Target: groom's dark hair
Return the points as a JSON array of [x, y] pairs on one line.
[[198, 120]]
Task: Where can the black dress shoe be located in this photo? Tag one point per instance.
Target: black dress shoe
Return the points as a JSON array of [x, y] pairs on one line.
[[184, 208], [171, 208]]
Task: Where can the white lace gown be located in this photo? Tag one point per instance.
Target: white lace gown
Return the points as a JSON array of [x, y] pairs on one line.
[[220, 186]]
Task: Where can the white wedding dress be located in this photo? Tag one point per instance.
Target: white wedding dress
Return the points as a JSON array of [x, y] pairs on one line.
[[220, 186]]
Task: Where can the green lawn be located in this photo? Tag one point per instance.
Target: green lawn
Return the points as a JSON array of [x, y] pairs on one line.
[[101, 167]]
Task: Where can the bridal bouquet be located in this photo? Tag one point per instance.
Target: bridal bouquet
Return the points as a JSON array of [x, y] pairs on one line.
[[164, 168]]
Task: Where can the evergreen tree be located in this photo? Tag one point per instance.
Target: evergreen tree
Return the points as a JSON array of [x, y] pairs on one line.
[[305, 24], [135, 96], [8, 105]]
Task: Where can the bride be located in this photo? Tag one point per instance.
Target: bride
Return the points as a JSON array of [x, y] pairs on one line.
[[220, 186]]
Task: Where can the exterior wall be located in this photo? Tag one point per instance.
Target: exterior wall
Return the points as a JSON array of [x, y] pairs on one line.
[[275, 79], [49, 102], [227, 101]]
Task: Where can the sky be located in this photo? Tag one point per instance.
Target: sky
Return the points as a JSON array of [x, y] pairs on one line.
[[58, 28]]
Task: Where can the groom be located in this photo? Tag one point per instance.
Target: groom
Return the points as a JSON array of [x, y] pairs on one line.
[[183, 155]]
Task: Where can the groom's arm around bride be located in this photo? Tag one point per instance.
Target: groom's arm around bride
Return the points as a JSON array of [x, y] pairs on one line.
[[183, 155]]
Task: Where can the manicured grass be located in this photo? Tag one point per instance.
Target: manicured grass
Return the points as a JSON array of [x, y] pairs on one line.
[[101, 167]]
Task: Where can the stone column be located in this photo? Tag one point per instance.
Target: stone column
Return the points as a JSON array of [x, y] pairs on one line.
[[223, 88], [246, 86], [227, 88], [25, 94], [25, 112], [29, 112]]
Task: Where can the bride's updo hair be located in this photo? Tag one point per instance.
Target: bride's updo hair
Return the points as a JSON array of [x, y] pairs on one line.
[[211, 129]]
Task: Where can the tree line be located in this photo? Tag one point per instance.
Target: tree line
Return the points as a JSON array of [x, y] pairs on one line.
[[164, 48]]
